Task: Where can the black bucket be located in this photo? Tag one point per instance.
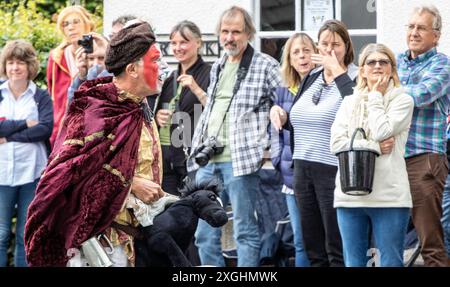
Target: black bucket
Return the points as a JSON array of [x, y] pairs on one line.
[[357, 168]]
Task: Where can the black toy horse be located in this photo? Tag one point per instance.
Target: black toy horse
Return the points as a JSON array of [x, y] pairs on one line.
[[166, 241]]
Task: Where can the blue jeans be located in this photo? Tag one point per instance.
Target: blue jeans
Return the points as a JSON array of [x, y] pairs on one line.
[[446, 214], [241, 191], [388, 229], [301, 259], [10, 196]]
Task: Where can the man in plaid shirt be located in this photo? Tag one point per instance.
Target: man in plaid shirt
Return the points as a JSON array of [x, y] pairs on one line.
[[425, 73], [240, 95]]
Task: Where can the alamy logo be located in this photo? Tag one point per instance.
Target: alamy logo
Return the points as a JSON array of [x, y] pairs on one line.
[[371, 6]]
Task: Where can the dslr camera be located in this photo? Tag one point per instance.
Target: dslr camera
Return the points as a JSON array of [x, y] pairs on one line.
[[210, 147], [87, 42]]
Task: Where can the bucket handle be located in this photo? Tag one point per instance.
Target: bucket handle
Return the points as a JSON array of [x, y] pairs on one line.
[[354, 135]]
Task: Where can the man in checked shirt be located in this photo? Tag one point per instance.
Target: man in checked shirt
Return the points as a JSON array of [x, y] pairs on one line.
[[425, 74], [236, 113]]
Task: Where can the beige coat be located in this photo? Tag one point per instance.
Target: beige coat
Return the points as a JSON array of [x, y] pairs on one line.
[[381, 117]]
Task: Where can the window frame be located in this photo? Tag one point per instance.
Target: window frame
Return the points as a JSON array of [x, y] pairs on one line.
[[298, 22]]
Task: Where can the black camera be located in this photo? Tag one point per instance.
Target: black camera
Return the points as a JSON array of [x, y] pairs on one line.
[[207, 150], [87, 42]]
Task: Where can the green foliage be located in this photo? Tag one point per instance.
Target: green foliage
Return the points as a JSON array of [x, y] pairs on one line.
[[49, 8], [24, 22], [32, 21]]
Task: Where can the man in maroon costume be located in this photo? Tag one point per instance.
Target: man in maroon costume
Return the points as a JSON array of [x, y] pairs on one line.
[[94, 163]]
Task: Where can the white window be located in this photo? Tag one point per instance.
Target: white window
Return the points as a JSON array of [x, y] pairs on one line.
[[277, 20]]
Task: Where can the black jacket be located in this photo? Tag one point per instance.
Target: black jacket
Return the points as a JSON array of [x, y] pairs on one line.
[[200, 71], [343, 82]]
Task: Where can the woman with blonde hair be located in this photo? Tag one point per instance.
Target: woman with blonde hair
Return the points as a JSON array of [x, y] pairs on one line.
[[26, 122], [73, 22], [296, 64], [380, 106]]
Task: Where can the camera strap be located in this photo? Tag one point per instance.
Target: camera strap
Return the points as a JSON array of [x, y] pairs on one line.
[[180, 126], [241, 73]]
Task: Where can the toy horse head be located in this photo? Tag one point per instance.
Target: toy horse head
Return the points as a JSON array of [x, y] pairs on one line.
[[206, 201]]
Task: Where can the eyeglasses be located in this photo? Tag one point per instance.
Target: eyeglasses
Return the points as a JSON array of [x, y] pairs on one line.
[[316, 96], [382, 62], [420, 28], [75, 21]]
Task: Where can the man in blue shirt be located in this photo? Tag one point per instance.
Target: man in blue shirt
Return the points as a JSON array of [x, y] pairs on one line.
[[446, 201], [425, 74]]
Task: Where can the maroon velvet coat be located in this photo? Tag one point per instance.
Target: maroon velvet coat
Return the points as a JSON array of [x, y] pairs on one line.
[[88, 176]]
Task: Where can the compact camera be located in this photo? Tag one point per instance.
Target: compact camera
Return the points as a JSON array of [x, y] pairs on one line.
[[210, 147], [87, 42]]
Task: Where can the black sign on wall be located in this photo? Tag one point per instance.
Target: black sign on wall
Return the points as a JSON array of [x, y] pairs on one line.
[[211, 49]]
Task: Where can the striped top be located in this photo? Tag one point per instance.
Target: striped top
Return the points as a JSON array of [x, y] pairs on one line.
[[427, 79], [312, 123]]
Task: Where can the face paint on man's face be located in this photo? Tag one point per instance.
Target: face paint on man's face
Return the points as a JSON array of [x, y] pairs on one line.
[[151, 71]]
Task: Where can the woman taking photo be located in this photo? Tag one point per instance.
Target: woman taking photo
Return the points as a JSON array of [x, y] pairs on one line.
[[182, 91], [296, 64], [380, 106], [26, 122], [73, 22]]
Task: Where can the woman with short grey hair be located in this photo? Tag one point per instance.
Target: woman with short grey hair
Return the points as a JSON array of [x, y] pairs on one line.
[[26, 122]]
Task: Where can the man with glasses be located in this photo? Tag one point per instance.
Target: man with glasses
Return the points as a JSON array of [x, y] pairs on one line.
[[425, 74], [240, 95]]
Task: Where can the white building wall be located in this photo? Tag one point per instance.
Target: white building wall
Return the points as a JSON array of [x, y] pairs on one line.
[[164, 14], [394, 14]]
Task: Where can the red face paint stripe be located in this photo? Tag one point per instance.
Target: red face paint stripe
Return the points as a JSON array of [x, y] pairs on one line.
[[151, 67]]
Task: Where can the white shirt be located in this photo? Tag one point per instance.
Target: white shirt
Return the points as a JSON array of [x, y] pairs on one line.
[[20, 163]]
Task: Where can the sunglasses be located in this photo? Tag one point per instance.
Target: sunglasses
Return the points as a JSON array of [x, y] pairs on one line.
[[316, 96], [382, 62]]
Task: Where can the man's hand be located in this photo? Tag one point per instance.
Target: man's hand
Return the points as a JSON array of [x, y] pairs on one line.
[[146, 190], [278, 117], [387, 145], [81, 63], [99, 38], [31, 123]]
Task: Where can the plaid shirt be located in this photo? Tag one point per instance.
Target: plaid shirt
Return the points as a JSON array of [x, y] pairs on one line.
[[248, 115], [427, 79]]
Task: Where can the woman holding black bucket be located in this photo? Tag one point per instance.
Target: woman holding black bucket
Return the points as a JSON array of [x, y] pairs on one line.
[[382, 109]]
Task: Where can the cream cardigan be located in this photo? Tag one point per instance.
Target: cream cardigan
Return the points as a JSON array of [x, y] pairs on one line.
[[382, 117]]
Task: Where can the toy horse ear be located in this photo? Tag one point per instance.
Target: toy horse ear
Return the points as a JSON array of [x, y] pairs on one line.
[[191, 186], [188, 187], [214, 185]]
